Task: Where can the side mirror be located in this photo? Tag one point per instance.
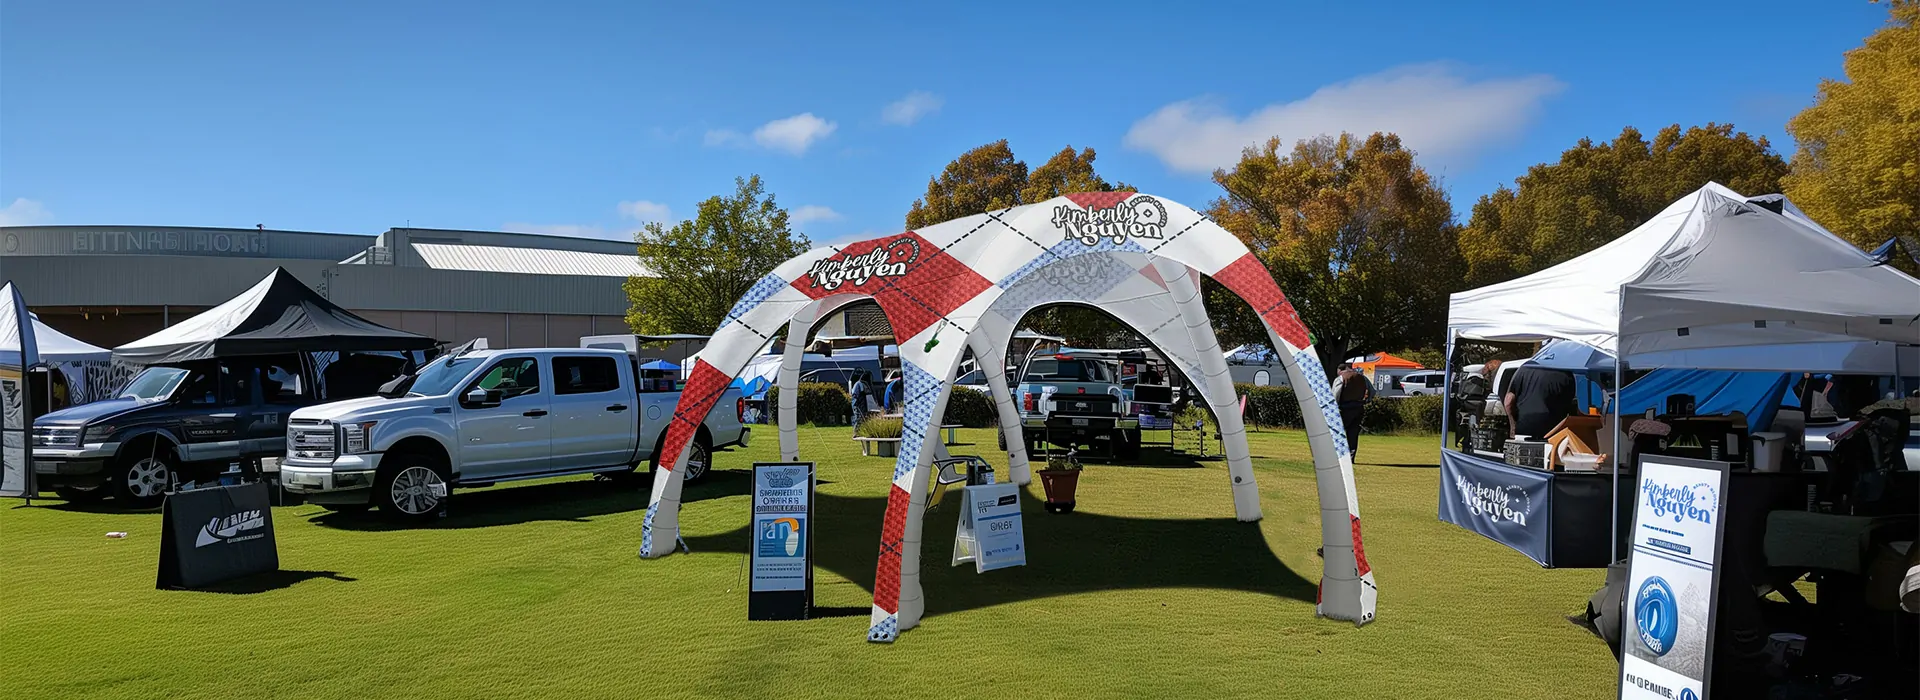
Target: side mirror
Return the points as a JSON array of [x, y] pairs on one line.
[[482, 398]]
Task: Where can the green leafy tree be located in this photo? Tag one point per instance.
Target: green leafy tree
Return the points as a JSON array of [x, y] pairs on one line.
[[1067, 172], [982, 179], [707, 263], [1357, 234], [1596, 192], [1856, 169]]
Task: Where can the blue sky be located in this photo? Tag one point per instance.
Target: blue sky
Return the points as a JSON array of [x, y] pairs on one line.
[[587, 118]]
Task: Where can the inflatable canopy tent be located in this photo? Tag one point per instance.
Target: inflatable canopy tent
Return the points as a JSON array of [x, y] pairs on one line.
[[964, 284]]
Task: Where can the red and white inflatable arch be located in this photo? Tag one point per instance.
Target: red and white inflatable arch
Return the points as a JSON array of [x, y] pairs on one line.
[[966, 283]]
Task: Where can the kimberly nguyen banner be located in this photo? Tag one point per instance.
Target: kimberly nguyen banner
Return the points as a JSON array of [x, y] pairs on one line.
[[1510, 505]]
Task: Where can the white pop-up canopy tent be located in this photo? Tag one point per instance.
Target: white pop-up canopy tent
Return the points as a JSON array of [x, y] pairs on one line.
[[1711, 271], [55, 347]]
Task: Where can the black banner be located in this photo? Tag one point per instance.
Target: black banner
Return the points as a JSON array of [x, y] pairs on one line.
[[781, 555], [214, 534]]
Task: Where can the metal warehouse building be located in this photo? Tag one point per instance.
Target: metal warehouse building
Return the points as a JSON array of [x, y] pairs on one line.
[[108, 285]]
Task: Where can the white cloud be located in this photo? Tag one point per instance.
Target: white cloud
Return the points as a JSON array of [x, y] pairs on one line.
[[814, 212], [724, 137], [25, 212], [644, 211], [1434, 110], [574, 230], [793, 134], [911, 108]]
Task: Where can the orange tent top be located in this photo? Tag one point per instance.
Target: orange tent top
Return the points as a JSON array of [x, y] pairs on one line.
[[1387, 361]]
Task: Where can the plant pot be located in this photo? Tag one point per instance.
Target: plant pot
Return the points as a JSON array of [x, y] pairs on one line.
[[887, 448], [1060, 485]]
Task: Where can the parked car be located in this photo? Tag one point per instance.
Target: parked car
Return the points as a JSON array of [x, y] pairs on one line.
[[481, 417], [1074, 399], [841, 376], [1424, 383], [175, 424]]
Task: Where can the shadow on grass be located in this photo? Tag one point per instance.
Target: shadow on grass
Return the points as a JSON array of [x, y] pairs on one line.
[[270, 581], [1397, 466], [1066, 554], [575, 500]]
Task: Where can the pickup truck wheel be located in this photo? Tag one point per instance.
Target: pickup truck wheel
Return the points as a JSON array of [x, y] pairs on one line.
[[1002, 434], [143, 480], [699, 459], [413, 490]]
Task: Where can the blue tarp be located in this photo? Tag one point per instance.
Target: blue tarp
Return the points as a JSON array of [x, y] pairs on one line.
[[1715, 392]]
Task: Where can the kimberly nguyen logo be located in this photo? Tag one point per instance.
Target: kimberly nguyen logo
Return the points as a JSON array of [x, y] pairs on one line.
[[1137, 217], [231, 528], [890, 260], [1497, 503], [1696, 502]]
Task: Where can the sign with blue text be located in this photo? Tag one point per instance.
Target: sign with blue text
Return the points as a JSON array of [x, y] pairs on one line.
[[990, 527], [1672, 577], [781, 554]]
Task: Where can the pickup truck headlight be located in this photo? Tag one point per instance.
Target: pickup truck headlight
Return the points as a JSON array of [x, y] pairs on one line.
[[353, 437], [98, 433]]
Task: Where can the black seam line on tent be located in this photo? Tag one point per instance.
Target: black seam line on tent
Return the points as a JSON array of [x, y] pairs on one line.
[[1182, 232]]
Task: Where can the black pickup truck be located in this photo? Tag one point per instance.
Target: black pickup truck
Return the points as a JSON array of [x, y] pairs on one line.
[[189, 422]]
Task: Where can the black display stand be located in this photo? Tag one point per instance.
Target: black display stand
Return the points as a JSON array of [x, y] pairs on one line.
[[213, 534], [782, 491]]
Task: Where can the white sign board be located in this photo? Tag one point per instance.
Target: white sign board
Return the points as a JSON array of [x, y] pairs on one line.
[[782, 499], [1672, 573], [990, 533]]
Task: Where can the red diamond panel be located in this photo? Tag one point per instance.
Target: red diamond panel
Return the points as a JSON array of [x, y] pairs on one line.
[[1099, 200], [696, 401], [914, 281], [1152, 272], [893, 529], [1249, 279], [1359, 552]]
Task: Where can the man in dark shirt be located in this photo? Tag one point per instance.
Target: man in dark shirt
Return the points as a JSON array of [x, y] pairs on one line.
[[1351, 396], [1537, 400]]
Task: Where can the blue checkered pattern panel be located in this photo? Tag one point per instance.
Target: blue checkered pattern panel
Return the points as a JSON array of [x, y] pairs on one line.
[[886, 631], [646, 530], [1323, 393], [920, 391], [1066, 249], [766, 287]]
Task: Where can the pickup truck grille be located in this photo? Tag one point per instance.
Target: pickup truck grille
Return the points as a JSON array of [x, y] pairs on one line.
[[56, 437], [310, 441]]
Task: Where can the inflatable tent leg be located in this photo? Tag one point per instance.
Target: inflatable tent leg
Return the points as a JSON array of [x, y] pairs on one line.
[[1185, 289], [897, 598], [994, 358]]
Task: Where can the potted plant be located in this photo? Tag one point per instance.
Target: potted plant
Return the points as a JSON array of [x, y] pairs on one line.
[[883, 434], [1060, 479]]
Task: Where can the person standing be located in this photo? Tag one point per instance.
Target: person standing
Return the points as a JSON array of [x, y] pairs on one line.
[[1351, 395], [1537, 400], [857, 398]]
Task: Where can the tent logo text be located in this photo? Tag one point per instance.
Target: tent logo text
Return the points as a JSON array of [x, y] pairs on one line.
[[1497, 503], [1137, 217], [229, 529], [889, 260]]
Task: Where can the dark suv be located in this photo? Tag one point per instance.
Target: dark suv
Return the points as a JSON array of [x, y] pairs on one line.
[[189, 422]]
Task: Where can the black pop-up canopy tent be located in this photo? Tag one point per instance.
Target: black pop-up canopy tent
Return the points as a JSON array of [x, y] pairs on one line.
[[278, 315]]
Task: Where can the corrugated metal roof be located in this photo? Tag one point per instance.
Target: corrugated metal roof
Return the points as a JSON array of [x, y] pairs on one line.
[[531, 261]]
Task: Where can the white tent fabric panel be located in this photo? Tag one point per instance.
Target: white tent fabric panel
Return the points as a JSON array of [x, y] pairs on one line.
[[1837, 358], [1710, 270], [54, 347]]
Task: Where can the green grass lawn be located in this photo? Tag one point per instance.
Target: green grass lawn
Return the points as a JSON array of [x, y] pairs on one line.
[[1150, 589]]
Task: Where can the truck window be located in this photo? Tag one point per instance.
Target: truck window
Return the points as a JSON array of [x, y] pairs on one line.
[[513, 376], [280, 381], [585, 375]]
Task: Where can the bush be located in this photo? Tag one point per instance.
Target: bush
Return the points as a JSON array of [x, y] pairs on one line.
[[1421, 413], [1270, 406], [1382, 415], [818, 403], [881, 428], [973, 409]]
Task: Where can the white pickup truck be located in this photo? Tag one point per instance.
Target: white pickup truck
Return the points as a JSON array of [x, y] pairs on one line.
[[479, 417]]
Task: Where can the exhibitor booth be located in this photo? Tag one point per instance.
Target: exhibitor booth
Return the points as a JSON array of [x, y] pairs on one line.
[[1761, 347]]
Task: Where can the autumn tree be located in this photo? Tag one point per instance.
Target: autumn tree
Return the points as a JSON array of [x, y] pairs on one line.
[[1357, 234], [701, 266], [1856, 168], [989, 178], [1596, 192]]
